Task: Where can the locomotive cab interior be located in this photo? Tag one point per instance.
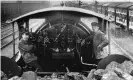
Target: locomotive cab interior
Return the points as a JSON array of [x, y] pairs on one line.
[[58, 39], [57, 35]]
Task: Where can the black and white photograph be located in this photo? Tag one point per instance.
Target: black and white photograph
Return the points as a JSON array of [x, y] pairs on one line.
[[66, 40]]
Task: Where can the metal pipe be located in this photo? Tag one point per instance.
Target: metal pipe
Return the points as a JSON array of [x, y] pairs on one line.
[[115, 14], [101, 9], [18, 56], [108, 27], [107, 10], [127, 19], [103, 25], [27, 25], [50, 72], [67, 69], [87, 63], [13, 39], [81, 60]]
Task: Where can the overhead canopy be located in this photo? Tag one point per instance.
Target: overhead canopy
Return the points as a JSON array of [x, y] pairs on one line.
[[131, 7], [80, 10], [114, 4], [126, 5], [101, 3]]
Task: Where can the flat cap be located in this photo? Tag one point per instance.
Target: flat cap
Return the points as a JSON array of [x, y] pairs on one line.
[[94, 24], [26, 33]]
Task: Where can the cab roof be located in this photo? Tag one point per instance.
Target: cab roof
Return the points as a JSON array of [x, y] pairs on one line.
[[75, 9]]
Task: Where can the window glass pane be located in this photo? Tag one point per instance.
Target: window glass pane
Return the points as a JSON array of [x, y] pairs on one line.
[[34, 24]]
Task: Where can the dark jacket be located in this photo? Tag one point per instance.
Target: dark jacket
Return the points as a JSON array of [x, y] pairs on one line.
[[27, 49], [99, 39]]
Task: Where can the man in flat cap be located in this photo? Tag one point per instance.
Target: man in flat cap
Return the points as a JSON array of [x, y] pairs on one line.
[[99, 41], [26, 48]]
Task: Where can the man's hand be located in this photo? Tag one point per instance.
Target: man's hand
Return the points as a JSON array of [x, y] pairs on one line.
[[78, 40], [83, 42], [100, 48]]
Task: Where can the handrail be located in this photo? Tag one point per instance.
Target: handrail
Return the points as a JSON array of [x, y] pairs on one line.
[[15, 58], [8, 43]]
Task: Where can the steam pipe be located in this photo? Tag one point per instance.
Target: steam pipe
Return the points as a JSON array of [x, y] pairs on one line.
[[87, 63]]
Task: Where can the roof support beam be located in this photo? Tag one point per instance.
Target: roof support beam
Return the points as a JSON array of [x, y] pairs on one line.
[[103, 25], [127, 19], [108, 34], [13, 38]]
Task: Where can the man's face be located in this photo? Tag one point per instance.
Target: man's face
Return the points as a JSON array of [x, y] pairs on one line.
[[25, 37], [95, 28]]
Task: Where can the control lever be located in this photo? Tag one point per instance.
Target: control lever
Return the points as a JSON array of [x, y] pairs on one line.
[[60, 33], [67, 70], [87, 63]]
